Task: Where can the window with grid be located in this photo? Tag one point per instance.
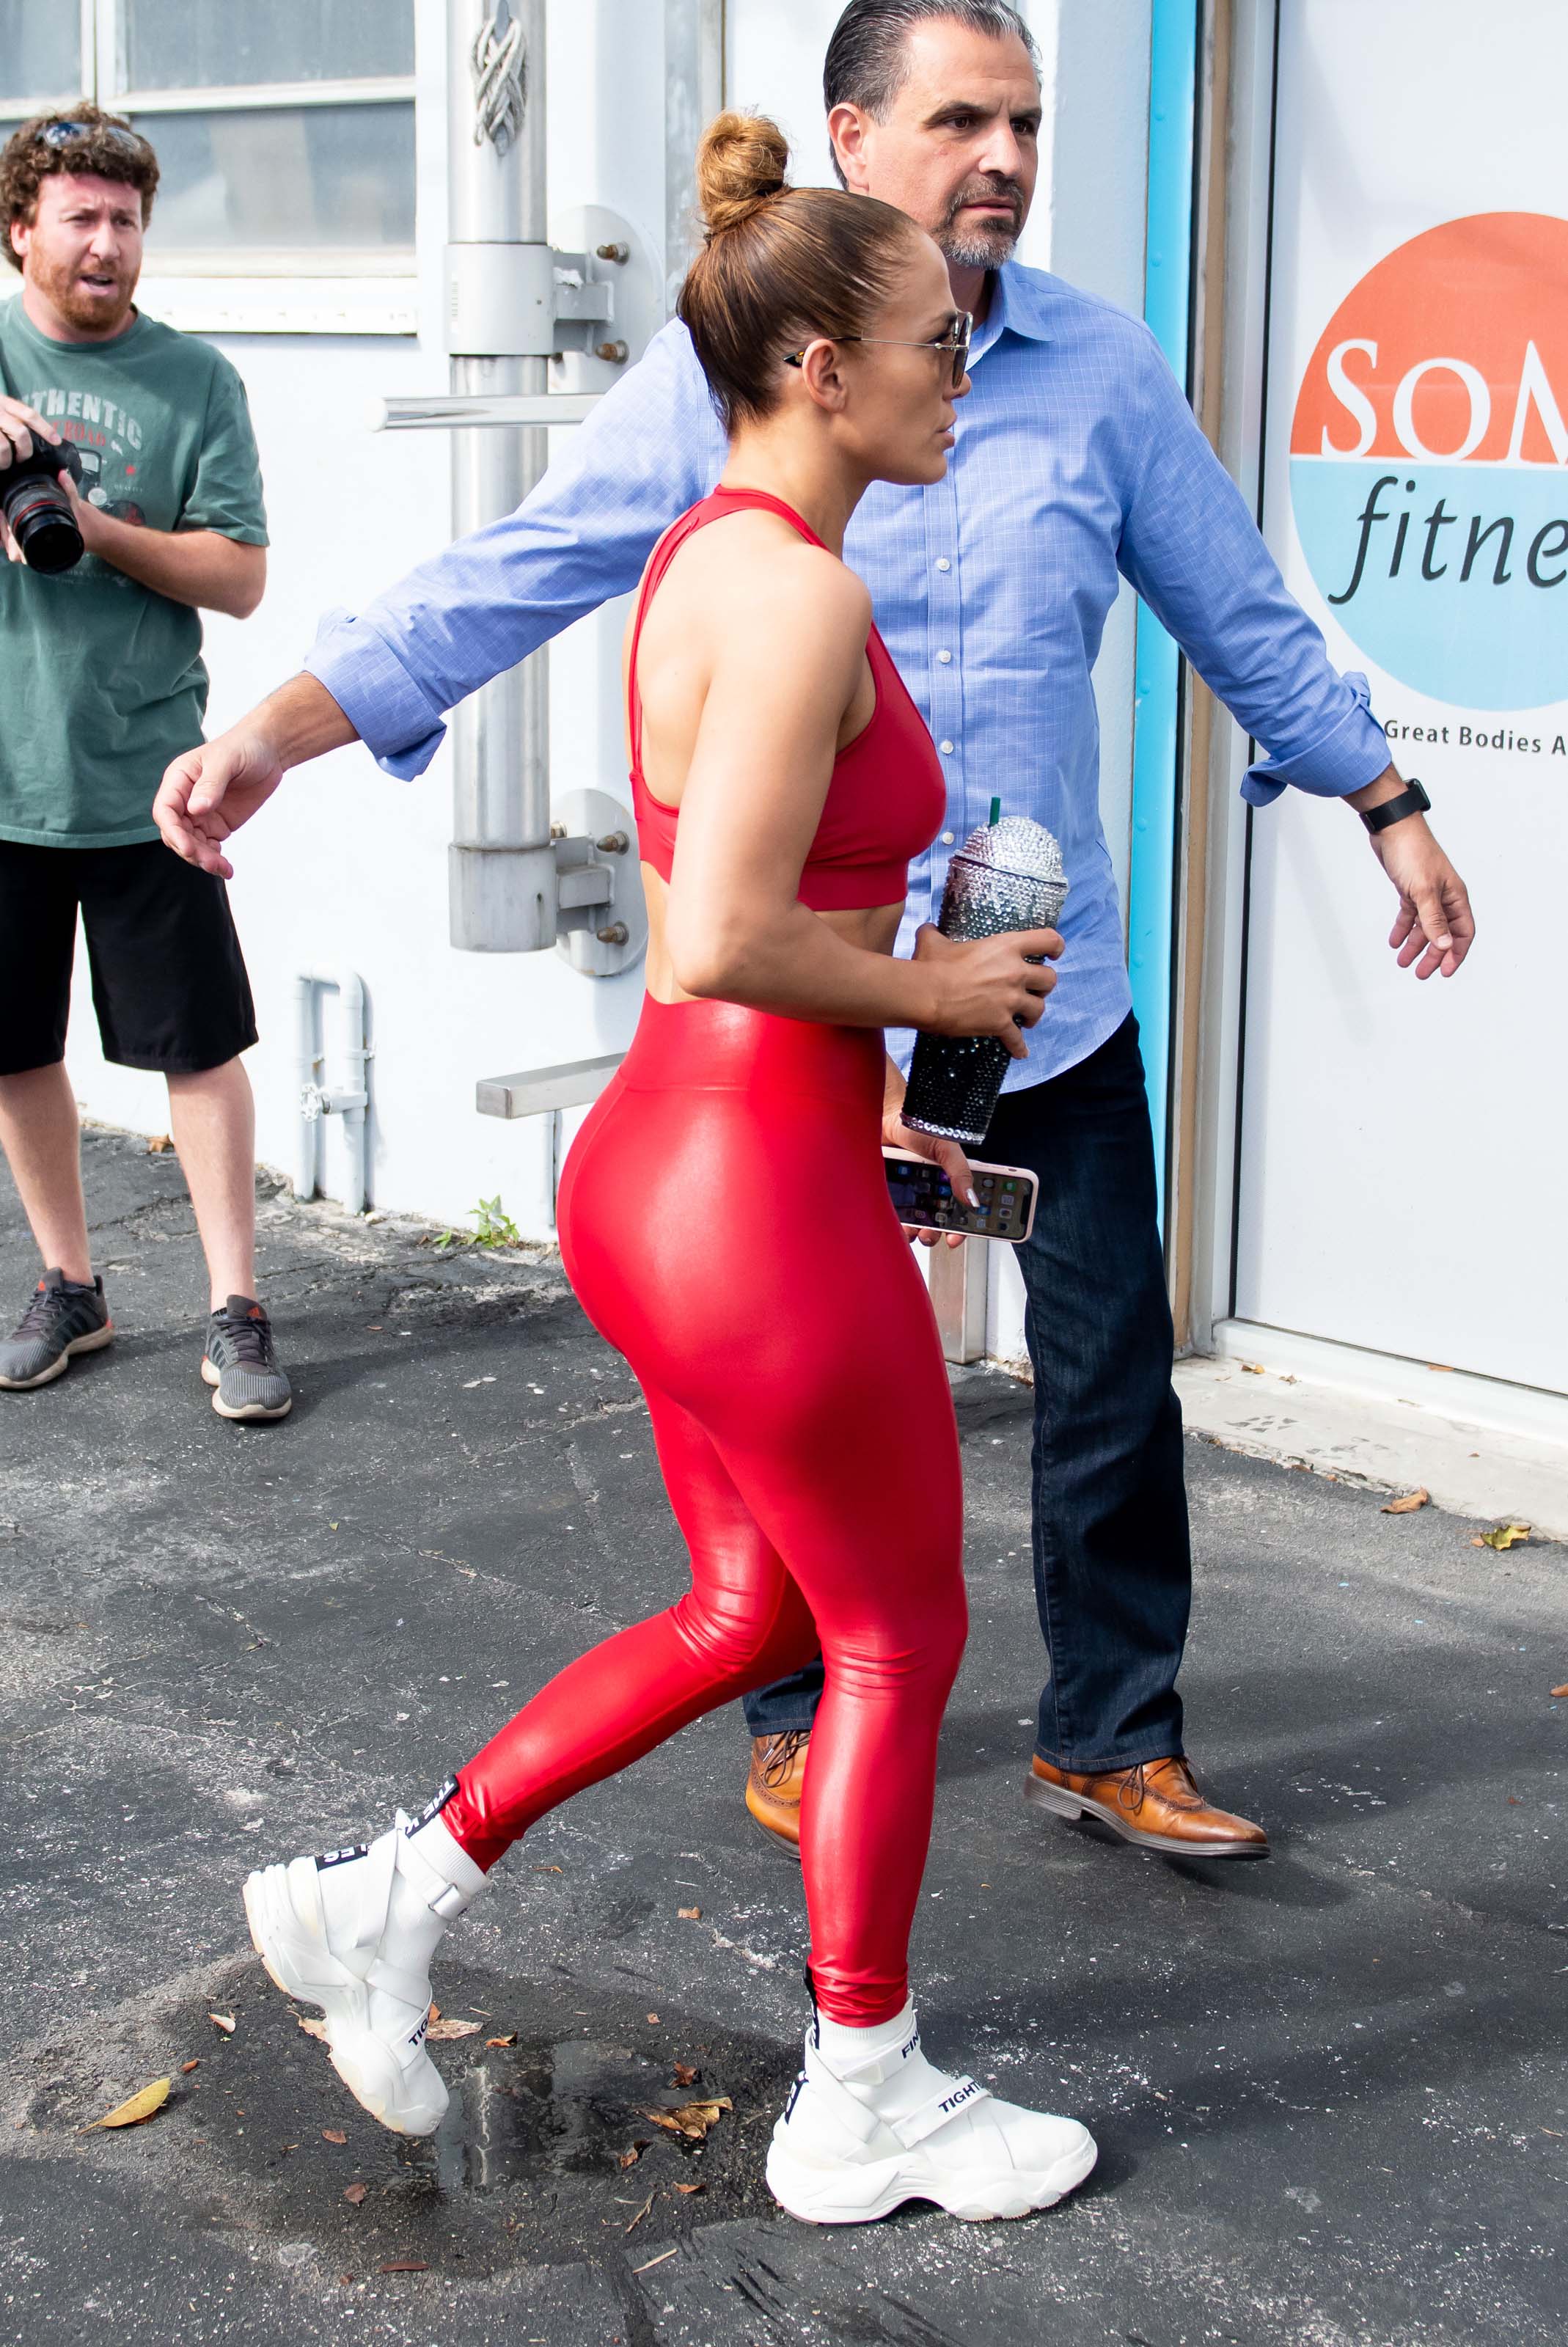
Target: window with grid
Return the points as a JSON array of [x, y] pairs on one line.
[[284, 128]]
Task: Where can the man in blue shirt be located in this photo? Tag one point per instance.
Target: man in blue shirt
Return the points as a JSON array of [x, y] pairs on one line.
[[1078, 461]]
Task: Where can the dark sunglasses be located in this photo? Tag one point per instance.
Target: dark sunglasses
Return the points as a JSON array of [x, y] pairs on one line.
[[64, 134], [956, 340]]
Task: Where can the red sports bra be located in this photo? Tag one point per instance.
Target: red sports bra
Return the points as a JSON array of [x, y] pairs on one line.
[[887, 796]]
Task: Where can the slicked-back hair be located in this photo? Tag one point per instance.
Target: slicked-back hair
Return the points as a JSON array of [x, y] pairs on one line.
[[867, 59], [779, 265]]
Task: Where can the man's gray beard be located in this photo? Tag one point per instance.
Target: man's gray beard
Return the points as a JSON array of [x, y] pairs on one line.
[[978, 251]]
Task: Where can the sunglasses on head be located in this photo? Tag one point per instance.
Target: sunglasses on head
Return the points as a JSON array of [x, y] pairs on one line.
[[956, 340], [66, 133]]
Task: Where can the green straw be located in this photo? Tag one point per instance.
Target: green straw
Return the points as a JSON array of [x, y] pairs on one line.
[[996, 815]]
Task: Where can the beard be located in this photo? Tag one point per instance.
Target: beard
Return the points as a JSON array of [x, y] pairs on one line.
[[56, 281], [982, 244]]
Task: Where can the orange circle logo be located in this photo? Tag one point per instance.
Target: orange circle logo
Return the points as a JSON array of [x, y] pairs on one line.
[[1429, 461]]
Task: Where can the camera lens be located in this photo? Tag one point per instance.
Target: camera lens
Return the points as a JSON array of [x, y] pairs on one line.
[[38, 513]]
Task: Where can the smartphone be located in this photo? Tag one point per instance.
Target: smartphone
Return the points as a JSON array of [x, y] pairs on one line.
[[923, 1197]]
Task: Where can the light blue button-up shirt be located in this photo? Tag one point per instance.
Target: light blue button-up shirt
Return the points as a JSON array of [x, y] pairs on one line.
[[1077, 457]]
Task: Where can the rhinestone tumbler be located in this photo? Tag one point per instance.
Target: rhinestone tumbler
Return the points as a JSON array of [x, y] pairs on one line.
[[1007, 876]]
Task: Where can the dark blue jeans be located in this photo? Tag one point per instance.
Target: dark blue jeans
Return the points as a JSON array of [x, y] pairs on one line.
[[1113, 1565]]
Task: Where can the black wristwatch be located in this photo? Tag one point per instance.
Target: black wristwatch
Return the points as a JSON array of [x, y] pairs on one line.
[[1412, 800]]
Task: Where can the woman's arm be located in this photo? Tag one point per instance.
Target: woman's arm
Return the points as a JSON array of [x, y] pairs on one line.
[[786, 657]]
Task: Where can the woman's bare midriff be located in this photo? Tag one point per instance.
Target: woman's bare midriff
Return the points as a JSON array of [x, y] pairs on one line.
[[875, 929]]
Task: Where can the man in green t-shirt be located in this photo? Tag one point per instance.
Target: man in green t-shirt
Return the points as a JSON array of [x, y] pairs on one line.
[[101, 683]]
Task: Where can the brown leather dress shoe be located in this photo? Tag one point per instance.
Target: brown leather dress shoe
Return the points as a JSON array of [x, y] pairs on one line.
[[1156, 1805], [772, 1786]]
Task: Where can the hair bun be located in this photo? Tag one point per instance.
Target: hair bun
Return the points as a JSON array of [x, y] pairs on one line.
[[742, 163]]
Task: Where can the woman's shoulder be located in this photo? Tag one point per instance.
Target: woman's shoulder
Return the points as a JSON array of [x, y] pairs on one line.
[[754, 557]]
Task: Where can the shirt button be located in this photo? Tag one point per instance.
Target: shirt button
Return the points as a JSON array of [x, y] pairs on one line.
[[946, 748], [943, 563], [944, 656], [947, 838]]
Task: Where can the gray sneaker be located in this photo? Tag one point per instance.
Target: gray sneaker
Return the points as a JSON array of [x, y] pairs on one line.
[[64, 1317], [241, 1362]]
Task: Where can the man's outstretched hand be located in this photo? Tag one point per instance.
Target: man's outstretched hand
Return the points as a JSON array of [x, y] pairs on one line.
[[209, 792]]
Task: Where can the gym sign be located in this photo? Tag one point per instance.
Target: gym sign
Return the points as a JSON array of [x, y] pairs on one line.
[[1429, 461]]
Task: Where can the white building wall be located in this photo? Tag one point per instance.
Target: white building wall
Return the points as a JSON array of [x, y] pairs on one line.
[[348, 866]]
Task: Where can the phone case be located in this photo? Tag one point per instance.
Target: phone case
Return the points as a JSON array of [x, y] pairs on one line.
[[923, 1197]]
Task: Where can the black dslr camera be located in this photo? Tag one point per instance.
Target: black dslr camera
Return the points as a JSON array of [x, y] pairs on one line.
[[36, 509]]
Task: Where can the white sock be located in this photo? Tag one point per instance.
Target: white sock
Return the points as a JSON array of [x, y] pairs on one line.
[[883, 2066], [426, 1850], [844, 2047]]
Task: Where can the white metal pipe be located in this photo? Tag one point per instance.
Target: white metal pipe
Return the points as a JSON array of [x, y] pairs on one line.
[[349, 1098], [308, 1071], [502, 871]]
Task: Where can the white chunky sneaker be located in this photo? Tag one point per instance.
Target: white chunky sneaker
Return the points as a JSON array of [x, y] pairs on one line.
[[871, 2123], [354, 1932]]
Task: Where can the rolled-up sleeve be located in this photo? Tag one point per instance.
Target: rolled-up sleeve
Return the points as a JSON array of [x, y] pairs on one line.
[[651, 448], [1192, 551]]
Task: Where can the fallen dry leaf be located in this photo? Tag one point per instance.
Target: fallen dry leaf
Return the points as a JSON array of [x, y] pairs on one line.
[[312, 2027], [686, 2073], [1558, 1691], [690, 1914], [334, 2135], [225, 2022], [547, 1869], [1504, 1536], [355, 2193], [159, 1145], [653, 2020], [132, 2113], [690, 2187], [691, 2119], [1408, 1505], [1252, 1369], [509, 2039], [441, 2033], [404, 2265], [629, 2158], [187, 2067]]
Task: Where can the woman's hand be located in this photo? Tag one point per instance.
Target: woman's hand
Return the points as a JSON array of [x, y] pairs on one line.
[[897, 1134], [993, 987]]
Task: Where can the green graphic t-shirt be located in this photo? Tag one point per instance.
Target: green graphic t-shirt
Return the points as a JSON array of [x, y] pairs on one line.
[[101, 679]]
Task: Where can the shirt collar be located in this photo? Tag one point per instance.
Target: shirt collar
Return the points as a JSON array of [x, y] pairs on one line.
[[1021, 304]]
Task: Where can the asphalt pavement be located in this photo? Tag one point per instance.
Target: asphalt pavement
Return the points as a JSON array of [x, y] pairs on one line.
[[1329, 2090]]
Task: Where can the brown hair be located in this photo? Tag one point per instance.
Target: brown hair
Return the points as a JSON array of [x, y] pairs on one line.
[[779, 266], [107, 149]]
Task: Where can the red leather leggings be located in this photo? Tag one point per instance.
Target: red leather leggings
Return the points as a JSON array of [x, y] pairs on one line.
[[725, 1222]]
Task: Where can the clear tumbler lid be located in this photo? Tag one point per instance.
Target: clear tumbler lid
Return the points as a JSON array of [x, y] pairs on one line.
[[1015, 844]]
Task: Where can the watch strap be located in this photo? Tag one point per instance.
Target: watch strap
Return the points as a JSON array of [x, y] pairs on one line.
[[1412, 800]]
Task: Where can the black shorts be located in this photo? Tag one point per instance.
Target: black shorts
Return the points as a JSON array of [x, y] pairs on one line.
[[168, 979]]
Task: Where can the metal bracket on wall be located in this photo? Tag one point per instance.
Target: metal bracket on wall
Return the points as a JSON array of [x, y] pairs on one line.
[[546, 1092], [959, 1296], [526, 876]]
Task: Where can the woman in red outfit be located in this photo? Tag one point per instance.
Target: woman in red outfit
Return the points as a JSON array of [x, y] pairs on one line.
[[782, 779]]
